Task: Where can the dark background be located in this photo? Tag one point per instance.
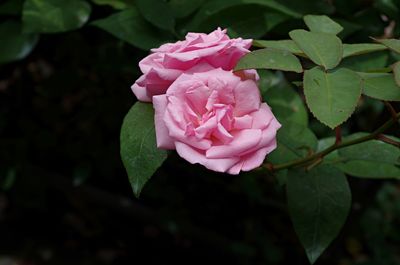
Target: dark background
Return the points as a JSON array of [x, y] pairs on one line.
[[65, 197]]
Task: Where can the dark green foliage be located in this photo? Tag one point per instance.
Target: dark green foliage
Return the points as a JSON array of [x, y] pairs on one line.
[[52, 16], [319, 202], [15, 45], [139, 152]]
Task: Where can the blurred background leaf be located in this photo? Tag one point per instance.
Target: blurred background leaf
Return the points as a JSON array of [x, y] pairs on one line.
[[129, 25], [158, 13], [15, 45], [117, 4], [52, 16]]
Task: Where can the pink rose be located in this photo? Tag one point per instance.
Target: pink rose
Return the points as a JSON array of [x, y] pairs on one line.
[[197, 53], [216, 119]]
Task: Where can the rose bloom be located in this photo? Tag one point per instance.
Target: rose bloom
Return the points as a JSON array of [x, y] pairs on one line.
[[198, 52], [216, 119]]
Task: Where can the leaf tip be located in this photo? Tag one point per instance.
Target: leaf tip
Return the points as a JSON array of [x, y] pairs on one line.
[[136, 191], [312, 256]]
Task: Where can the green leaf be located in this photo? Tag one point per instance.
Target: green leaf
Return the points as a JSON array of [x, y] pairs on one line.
[[285, 102], [51, 16], [211, 8], [396, 73], [139, 152], [361, 48], [269, 58], [257, 25], [14, 44], [372, 150], [274, 18], [322, 24], [319, 202], [370, 169], [158, 13], [371, 159], [298, 84], [270, 80], [349, 28], [117, 4], [309, 6], [322, 48], [332, 157], [273, 4], [128, 25], [370, 62], [294, 141], [11, 7], [240, 24], [183, 8], [380, 86], [392, 44], [9, 180], [387, 7], [332, 96], [287, 105], [287, 45]]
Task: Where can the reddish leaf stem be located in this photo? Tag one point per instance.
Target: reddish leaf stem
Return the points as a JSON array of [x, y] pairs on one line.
[[387, 140], [391, 109], [338, 132]]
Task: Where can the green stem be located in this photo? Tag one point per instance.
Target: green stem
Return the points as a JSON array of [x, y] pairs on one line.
[[335, 146]]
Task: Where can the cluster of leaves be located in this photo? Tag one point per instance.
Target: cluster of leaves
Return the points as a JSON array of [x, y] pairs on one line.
[[319, 197], [143, 23], [332, 89], [148, 23]]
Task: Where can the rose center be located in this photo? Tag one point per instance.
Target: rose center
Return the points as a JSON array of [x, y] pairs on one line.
[[214, 124]]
